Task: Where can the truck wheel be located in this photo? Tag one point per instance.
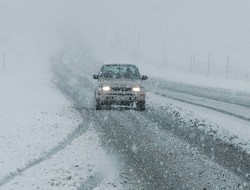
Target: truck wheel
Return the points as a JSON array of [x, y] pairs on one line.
[[98, 106], [140, 106]]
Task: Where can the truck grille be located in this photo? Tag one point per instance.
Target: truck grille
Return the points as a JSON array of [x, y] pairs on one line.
[[121, 89], [120, 94]]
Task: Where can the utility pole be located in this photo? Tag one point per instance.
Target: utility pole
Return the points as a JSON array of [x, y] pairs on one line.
[[127, 39], [138, 45], [227, 65], [165, 56], [208, 64], [104, 25], [117, 37], [193, 63], [134, 43]]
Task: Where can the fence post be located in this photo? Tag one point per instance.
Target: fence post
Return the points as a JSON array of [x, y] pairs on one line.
[[193, 65], [227, 65], [165, 56], [208, 64]]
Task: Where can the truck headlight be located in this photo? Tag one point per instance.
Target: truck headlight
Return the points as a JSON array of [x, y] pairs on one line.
[[136, 89], [105, 88]]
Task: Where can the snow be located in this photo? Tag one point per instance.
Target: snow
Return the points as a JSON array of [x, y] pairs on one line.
[[44, 141], [37, 126], [69, 168], [41, 137], [227, 128]]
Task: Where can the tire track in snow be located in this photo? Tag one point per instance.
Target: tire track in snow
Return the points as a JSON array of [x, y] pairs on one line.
[[205, 106], [160, 159], [145, 159], [77, 132], [211, 93], [223, 153]]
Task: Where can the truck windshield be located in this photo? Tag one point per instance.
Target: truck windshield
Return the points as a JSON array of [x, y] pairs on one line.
[[119, 71]]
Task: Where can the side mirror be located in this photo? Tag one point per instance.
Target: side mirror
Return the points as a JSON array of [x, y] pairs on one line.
[[144, 77], [95, 76]]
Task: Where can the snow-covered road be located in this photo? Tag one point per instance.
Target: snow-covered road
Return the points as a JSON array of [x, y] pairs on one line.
[[161, 159], [234, 103], [53, 139], [162, 148]]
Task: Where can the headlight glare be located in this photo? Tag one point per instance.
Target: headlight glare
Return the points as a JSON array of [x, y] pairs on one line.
[[106, 88], [136, 89]]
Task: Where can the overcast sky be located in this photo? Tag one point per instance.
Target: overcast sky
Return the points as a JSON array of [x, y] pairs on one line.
[[193, 27]]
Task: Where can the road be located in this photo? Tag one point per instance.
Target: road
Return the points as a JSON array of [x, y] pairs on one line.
[[153, 144], [229, 102]]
